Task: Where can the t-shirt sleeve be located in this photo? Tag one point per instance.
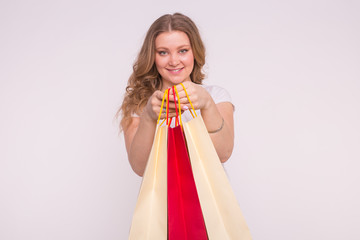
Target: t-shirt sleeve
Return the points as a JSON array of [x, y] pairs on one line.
[[218, 94]]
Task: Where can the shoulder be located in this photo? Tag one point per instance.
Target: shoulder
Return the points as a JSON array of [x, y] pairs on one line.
[[219, 94]]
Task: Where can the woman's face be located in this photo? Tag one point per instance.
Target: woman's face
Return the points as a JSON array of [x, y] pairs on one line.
[[174, 58]]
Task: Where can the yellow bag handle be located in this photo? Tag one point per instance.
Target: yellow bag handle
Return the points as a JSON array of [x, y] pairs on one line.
[[162, 105], [165, 97], [192, 107], [179, 107], [178, 118]]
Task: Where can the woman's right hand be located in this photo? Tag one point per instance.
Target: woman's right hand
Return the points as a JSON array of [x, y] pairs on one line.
[[153, 107]]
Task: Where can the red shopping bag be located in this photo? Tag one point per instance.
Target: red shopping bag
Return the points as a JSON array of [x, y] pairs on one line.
[[185, 218]]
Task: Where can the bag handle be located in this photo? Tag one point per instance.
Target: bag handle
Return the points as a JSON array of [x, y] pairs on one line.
[[177, 108], [167, 108], [165, 97], [162, 105], [192, 107], [177, 95], [178, 118]]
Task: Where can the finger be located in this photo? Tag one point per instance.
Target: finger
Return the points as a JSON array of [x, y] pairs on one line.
[[172, 97], [170, 111], [183, 99], [172, 106], [185, 107], [180, 95], [180, 89], [170, 115], [159, 95], [184, 93], [185, 84]]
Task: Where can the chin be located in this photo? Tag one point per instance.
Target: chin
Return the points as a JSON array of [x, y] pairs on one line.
[[177, 81]]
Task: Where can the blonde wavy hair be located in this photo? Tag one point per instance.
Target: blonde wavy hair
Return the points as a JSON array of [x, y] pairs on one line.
[[145, 78]]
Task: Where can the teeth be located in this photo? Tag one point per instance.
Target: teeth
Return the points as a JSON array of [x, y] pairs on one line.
[[176, 70]]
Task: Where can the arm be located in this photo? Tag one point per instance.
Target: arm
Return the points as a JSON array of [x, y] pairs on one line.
[[212, 115], [139, 136], [223, 140]]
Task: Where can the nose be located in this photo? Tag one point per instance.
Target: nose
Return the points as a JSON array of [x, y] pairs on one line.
[[174, 60]]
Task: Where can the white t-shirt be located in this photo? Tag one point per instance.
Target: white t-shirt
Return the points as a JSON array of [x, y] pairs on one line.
[[217, 93]]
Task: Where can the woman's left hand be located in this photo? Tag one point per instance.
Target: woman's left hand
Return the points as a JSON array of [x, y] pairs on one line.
[[199, 97]]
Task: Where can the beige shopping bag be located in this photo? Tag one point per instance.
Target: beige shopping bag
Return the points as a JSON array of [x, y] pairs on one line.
[[222, 214], [150, 216], [223, 217]]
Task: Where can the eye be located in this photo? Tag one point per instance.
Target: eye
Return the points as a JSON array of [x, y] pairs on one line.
[[184, 50], [162, 53]]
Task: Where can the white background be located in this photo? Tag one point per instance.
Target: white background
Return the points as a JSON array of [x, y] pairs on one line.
[[292, 68]]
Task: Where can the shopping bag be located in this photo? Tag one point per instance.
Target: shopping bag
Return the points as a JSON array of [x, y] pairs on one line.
[[223, 217], [150, 216], [185, 219]]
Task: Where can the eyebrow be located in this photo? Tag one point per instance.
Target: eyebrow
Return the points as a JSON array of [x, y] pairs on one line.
[[182, 46]]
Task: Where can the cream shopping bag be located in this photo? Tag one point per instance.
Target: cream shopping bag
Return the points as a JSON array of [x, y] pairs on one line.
[[150, 216], [223, 217]]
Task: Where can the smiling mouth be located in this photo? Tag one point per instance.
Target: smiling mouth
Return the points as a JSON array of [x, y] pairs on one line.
[[175, 70]]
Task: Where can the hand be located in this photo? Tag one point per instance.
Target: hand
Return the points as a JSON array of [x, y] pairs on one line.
[[153, 107], [199, 97]]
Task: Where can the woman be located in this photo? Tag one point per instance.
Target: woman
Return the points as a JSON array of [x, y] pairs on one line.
[[172, 53]]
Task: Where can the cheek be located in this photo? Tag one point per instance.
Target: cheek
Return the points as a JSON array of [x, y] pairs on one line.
[[189, 61], [159, 62]]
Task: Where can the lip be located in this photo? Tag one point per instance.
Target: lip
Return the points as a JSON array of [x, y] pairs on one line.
[[175, 70]]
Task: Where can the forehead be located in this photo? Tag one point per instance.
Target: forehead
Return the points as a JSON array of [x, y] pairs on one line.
[[171, 39]]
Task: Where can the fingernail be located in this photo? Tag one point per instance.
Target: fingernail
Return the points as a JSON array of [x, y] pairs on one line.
[[185, 107]]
